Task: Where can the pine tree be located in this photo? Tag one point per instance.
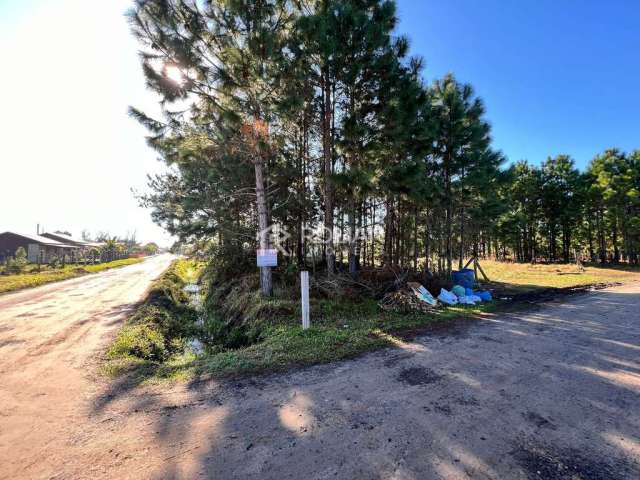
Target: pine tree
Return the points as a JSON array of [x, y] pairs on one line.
[[461, 145], [226, 58], [312, 116]]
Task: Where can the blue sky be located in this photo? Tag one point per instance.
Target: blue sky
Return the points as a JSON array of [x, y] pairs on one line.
[[556, 76]]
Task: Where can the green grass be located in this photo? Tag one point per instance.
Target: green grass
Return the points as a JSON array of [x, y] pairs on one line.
[[99, 267], [523, 277], [10, 283], [340, 329], [326, 341], [159, 330]]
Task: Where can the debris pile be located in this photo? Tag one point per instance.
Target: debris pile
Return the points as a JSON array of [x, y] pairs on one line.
[[404, 301]]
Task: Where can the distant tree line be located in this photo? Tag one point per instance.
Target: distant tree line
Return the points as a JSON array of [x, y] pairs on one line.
[[312, 116], [556, 212]]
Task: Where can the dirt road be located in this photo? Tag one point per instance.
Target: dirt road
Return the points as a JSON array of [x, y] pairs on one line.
[[548, 394], [49, 339]]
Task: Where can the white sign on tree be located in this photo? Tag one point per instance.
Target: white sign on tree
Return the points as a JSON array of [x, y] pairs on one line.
[[267, 257]]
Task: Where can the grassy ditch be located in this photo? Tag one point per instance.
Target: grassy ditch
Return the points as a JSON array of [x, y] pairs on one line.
[[245, 333], [340, 329], [162, 326], [10, 283], [242, 332]]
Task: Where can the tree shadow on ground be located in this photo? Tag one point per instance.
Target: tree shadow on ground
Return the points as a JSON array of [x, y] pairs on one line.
[[550, 394]]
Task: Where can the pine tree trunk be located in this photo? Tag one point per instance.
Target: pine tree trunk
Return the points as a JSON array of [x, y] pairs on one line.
[[397, 235], [590, 235], [266, 285], [353, 265], [365, 227], [461, 250], [415, 239], [427, 244], [614, 239], [448, 224], [373, 234], [388, 233], [534, 245], [601, 240], [565, 244], [328, 167], [341, 237]]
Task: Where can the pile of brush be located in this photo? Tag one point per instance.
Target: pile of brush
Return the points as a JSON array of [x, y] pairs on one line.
[[404, 301]]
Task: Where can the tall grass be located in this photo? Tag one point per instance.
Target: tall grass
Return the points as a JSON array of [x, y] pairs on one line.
[[10, 283]]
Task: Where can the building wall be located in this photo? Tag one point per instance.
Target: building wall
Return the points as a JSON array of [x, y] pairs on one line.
[[33, 252], [9, 243], [45, 253]]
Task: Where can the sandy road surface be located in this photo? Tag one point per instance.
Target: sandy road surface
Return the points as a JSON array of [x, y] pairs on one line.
[[49, 338], [548, 394]]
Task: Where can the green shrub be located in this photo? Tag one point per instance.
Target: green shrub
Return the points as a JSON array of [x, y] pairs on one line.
[[173, 323], [21, 256], [141, 341], [160, 328], [18, 262], [227, 263], [237, 314], [13, 267]]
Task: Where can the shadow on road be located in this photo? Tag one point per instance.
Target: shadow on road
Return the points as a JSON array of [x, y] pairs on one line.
[[552, 393]]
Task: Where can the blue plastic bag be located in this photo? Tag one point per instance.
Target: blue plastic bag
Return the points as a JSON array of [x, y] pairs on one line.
[[484, 295], [447, 297], [458, 291]]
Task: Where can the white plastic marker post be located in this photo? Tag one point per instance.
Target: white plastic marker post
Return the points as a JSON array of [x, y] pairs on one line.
[[304, 287]]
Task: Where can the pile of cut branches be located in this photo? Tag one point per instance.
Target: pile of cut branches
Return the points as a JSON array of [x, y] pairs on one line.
[[404, 301]]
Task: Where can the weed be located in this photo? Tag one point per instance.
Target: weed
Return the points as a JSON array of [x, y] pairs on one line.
[[247, 333], [142, 341], [10, 283], [160, 328]]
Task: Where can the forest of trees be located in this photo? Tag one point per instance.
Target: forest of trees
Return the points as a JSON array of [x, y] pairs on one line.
[[311, 115]]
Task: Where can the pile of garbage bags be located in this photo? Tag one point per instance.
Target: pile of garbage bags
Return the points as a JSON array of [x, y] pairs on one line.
[[460, 295], [417, 298]]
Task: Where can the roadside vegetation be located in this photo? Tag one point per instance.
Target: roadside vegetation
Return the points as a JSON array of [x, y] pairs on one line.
[[163, 324], [340, 328], [247, 333], [243, 332], [47, 274], [311, 128]]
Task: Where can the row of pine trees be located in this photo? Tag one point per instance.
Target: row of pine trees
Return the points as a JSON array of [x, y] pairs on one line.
[[311, 115], [558, 213]]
